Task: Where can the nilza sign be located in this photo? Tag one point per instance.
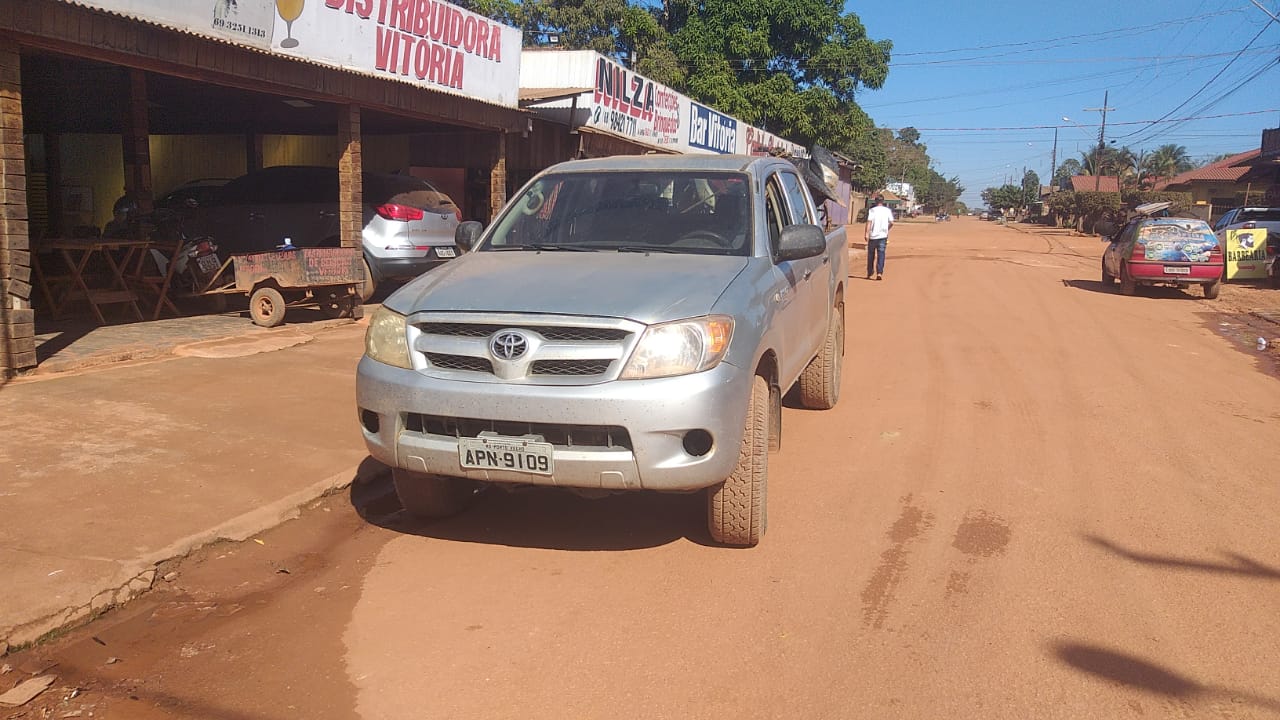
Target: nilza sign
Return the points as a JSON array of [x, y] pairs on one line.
[[709, 130], [632, 105], [429, 42]]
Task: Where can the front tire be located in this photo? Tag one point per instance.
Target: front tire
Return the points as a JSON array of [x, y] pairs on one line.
[[820, 381], [736, 509], [432, 496], [1107, 278], [1212, 289], [369, 285]]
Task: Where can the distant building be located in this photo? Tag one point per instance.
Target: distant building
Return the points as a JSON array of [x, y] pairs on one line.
[[1217, 187], [1090, 183]]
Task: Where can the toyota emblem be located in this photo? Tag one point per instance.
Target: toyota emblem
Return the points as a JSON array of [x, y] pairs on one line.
[[509, 345]]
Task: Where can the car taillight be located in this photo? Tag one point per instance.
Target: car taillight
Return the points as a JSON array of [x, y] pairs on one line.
[[457, 212], [403, 213], [1251, 225], [1139, 249]]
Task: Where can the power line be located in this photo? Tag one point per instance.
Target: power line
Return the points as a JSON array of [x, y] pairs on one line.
[[1210, 81], [1132, 122]]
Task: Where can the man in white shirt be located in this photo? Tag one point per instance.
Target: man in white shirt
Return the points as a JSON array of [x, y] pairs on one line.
[[879, 220]]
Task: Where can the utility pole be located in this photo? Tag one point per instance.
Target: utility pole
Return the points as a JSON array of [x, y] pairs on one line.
[[1102, 138], [1053, 159]]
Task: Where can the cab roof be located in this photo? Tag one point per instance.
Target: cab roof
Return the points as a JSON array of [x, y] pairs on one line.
[[709, 163]]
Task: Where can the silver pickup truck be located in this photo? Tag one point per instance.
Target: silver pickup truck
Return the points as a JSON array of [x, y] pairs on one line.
[[629, 323]]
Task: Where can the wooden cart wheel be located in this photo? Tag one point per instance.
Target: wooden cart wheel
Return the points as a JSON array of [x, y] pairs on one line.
[[266, 307]]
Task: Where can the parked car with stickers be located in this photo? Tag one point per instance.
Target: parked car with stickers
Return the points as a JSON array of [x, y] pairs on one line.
[[1173, 251], [625, 324]]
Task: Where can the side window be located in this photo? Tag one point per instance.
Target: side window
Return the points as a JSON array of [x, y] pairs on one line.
[[776, 214], [1225, 220], [1129, 232], [796, 195]]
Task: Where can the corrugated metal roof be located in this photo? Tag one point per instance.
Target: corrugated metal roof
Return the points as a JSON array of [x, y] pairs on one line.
[[266, 51]]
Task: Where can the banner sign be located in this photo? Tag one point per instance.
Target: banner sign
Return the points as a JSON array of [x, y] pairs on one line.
[[624, 103], [248, 22], [431, 43], [634, 106], [1246, 252], [709, 130], [426, 42]]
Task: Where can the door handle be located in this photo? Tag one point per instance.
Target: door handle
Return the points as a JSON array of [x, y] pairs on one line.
[[808, 273], [327, 213], [826, 259], [255, 216]]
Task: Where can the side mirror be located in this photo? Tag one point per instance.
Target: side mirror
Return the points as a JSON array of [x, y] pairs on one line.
[[467, 234], [801, 241]]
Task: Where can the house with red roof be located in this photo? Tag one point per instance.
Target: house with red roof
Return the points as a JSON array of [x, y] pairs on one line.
[[1217, 187]]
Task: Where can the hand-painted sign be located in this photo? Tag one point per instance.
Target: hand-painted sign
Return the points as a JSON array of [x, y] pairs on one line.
[[712, 131], [629, 104], [243, 21], [1246, 254], [428, 42]]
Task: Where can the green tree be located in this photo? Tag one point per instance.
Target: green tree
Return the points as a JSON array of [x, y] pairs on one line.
[[1068, 169], [1030, 188], [1168, 160], [792, 67]]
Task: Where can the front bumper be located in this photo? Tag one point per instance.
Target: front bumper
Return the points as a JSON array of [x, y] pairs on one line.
[[656, 415]]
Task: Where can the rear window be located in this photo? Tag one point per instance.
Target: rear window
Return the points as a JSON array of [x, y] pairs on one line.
[[1268, 215], [1178, 240], [403, 190]]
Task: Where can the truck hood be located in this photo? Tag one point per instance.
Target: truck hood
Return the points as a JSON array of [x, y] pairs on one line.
[[646, 288]]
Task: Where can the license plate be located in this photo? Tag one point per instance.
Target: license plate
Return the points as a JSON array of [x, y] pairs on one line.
[[446, 252], [1176, 270], [505, 453], [208, 263]]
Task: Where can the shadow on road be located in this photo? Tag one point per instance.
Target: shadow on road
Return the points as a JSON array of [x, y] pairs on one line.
[[1237, 565], [1135, 672], [1149, 291], [547, 518]]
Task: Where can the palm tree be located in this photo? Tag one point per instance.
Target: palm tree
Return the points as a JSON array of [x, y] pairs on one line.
[[1168, 160]]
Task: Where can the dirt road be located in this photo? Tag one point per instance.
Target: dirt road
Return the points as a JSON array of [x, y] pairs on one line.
[[1035, 499]]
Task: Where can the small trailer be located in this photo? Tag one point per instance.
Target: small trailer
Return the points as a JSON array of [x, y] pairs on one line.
[[328, 278]]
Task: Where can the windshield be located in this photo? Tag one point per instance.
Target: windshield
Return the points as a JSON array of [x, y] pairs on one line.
[[687, 212]]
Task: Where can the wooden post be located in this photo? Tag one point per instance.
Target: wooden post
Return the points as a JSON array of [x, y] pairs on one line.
[[137, 143], [17, 319], [498, 177], [350, 165]]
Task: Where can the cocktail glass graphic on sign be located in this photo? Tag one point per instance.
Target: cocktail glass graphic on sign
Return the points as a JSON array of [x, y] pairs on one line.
[[289, 11]]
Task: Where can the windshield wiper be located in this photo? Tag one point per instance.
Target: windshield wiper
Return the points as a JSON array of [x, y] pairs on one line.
[[646, 250], [539, 247]]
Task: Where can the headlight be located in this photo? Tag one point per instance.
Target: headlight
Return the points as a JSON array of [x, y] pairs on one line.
[[680, 348], [387, 339]]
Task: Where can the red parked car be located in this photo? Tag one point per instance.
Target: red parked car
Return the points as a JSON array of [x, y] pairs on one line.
[[1164, 251]]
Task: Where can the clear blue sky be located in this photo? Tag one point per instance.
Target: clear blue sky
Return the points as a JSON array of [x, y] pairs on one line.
[[960, 67]]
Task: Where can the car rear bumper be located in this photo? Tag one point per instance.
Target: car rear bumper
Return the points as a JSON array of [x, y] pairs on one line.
[[403, 414], [1198, 273], [397, 268]]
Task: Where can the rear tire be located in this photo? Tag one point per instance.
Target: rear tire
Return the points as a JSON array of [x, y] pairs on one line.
[[266, 307], [1107, 278], [1128, 286], [432, 496], [820, 381], [736, 509], [1212, 289]]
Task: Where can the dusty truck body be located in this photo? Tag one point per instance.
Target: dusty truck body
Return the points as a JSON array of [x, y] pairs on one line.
[[627, 323]]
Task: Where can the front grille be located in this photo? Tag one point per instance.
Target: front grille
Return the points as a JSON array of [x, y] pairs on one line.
[[595, 436], [556, 333], [460, 362], [570, 367]]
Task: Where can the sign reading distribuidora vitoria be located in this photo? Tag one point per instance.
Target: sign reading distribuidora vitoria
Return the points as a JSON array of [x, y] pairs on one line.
[[428, 42]]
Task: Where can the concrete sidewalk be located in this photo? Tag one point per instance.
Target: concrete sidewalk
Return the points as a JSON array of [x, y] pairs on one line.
[[106, 472]]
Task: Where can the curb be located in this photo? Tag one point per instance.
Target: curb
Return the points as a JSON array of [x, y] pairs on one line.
[[140, 573]]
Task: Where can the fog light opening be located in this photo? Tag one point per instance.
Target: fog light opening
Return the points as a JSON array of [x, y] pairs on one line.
[[369, 419], [697, 442]]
